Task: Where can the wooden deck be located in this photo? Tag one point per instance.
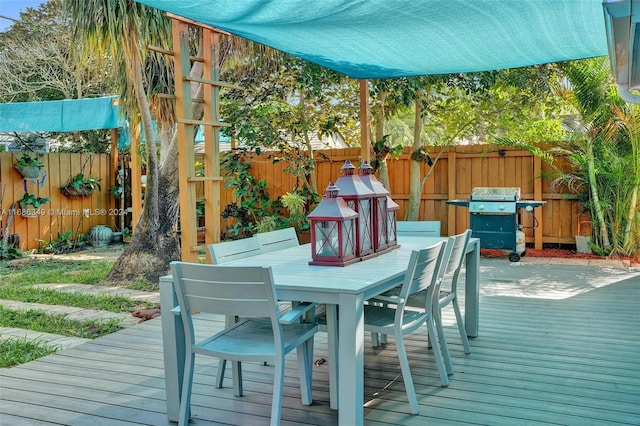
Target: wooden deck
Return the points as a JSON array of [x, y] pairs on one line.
[[558, 344]]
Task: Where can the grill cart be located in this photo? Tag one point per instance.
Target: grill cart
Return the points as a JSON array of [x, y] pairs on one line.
[[495, 218]]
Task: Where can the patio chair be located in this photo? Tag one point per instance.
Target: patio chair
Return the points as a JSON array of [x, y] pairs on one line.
[[277, 240], [247, 292], [423, 273], [227, 251], [429, 228], [448, 291]]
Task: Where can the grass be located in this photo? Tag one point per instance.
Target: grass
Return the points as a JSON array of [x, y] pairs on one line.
[[104, 302], [18, 351], [37, 320], [18, 283], [39, 272], [63, 272]]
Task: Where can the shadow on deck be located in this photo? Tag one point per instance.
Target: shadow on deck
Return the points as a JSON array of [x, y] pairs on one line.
[[558, 344]]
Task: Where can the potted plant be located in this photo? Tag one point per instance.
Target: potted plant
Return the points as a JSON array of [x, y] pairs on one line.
[[30, 203], [29, 167], [80, 186], [296, 203]]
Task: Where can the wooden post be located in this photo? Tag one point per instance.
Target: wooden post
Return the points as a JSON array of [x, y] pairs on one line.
[[451, 193], [365, 141], [537, 195], [135, 168], [114, 175]]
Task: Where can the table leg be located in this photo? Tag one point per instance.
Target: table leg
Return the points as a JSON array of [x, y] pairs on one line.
[[332, 337], [351, 360], [472, 290], [173, 347]]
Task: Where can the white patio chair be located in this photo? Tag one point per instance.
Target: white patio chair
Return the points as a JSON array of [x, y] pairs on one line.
[[247, 292], [277, 240], [226, 251], [448, 292], [423, 273]]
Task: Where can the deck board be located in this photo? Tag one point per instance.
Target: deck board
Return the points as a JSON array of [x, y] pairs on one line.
[[558, 344]]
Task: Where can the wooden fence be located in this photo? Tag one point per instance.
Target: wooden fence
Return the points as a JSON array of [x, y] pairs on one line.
[[456, 173], [62, 213]]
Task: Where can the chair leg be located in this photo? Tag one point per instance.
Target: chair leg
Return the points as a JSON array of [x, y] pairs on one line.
[[444, 346], [276, 401], [236, 372], [437, 353], [222, 365], [187, 383], [406, 374], [306, 370], [375, 342], [461, 328]]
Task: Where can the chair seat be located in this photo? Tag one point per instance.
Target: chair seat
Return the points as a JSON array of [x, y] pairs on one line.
[[252, 340], [381, 319]]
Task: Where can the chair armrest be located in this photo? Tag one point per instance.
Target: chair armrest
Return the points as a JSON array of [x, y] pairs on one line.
[[175, 311], [387, 299], [296, 312]]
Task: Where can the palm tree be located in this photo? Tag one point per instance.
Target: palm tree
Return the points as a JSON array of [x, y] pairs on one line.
[[121, 29], [587, 91]]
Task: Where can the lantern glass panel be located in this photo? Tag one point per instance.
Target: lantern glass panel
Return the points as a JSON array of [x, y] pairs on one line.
[[326, 239], [364, 216], [391, 225], [381, 222], [348, 241]]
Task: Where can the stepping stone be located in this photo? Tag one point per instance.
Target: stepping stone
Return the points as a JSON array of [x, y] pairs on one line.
[[147, 296], [56, 340]]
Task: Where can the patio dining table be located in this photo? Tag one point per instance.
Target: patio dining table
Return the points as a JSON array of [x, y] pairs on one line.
[[343, 290]]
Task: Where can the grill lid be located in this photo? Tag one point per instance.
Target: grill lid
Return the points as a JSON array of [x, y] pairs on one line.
[[495, 194]]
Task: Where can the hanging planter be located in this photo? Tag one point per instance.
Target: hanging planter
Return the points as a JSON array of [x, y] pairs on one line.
[[29, 167], [80, 186], [30, 205]]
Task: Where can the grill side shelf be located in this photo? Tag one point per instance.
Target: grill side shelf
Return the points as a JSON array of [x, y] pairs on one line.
[[461, 203]]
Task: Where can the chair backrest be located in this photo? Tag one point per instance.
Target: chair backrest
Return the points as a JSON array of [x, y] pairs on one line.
[[424, 271], [457, 248], [227, 251], [429, 228], [277, 240], [245, 291]]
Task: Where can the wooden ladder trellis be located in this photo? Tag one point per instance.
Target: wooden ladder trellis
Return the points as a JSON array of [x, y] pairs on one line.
[[186, 125]]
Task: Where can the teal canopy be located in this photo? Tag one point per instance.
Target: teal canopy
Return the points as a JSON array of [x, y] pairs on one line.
[[395, 38], [68, 115]]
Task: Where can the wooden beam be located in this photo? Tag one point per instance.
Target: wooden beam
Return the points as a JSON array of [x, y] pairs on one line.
[[537, 195], [365, 140]]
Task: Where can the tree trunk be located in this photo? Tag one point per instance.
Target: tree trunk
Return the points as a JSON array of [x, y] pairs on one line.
[[383, 171], [413, 207], [155, 242], [602, 225]]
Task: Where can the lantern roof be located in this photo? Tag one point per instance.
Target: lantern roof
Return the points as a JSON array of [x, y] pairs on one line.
[[350, 184], [332, 207], [371, 181]]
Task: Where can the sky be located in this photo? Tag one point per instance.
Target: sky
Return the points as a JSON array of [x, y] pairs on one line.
[[12, 8]]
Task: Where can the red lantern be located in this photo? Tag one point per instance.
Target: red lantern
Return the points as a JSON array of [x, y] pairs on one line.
[[380, 237], [360, 199], [333, 231]]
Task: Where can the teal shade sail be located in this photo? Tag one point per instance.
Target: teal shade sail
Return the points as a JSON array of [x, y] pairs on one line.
[[68, 115], [396, 38]]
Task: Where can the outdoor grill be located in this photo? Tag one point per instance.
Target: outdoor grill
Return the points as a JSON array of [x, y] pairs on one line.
[[495, 218]]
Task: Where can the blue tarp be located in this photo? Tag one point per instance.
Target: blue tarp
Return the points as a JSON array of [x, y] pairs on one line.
[[394, 38], [60, 116]]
